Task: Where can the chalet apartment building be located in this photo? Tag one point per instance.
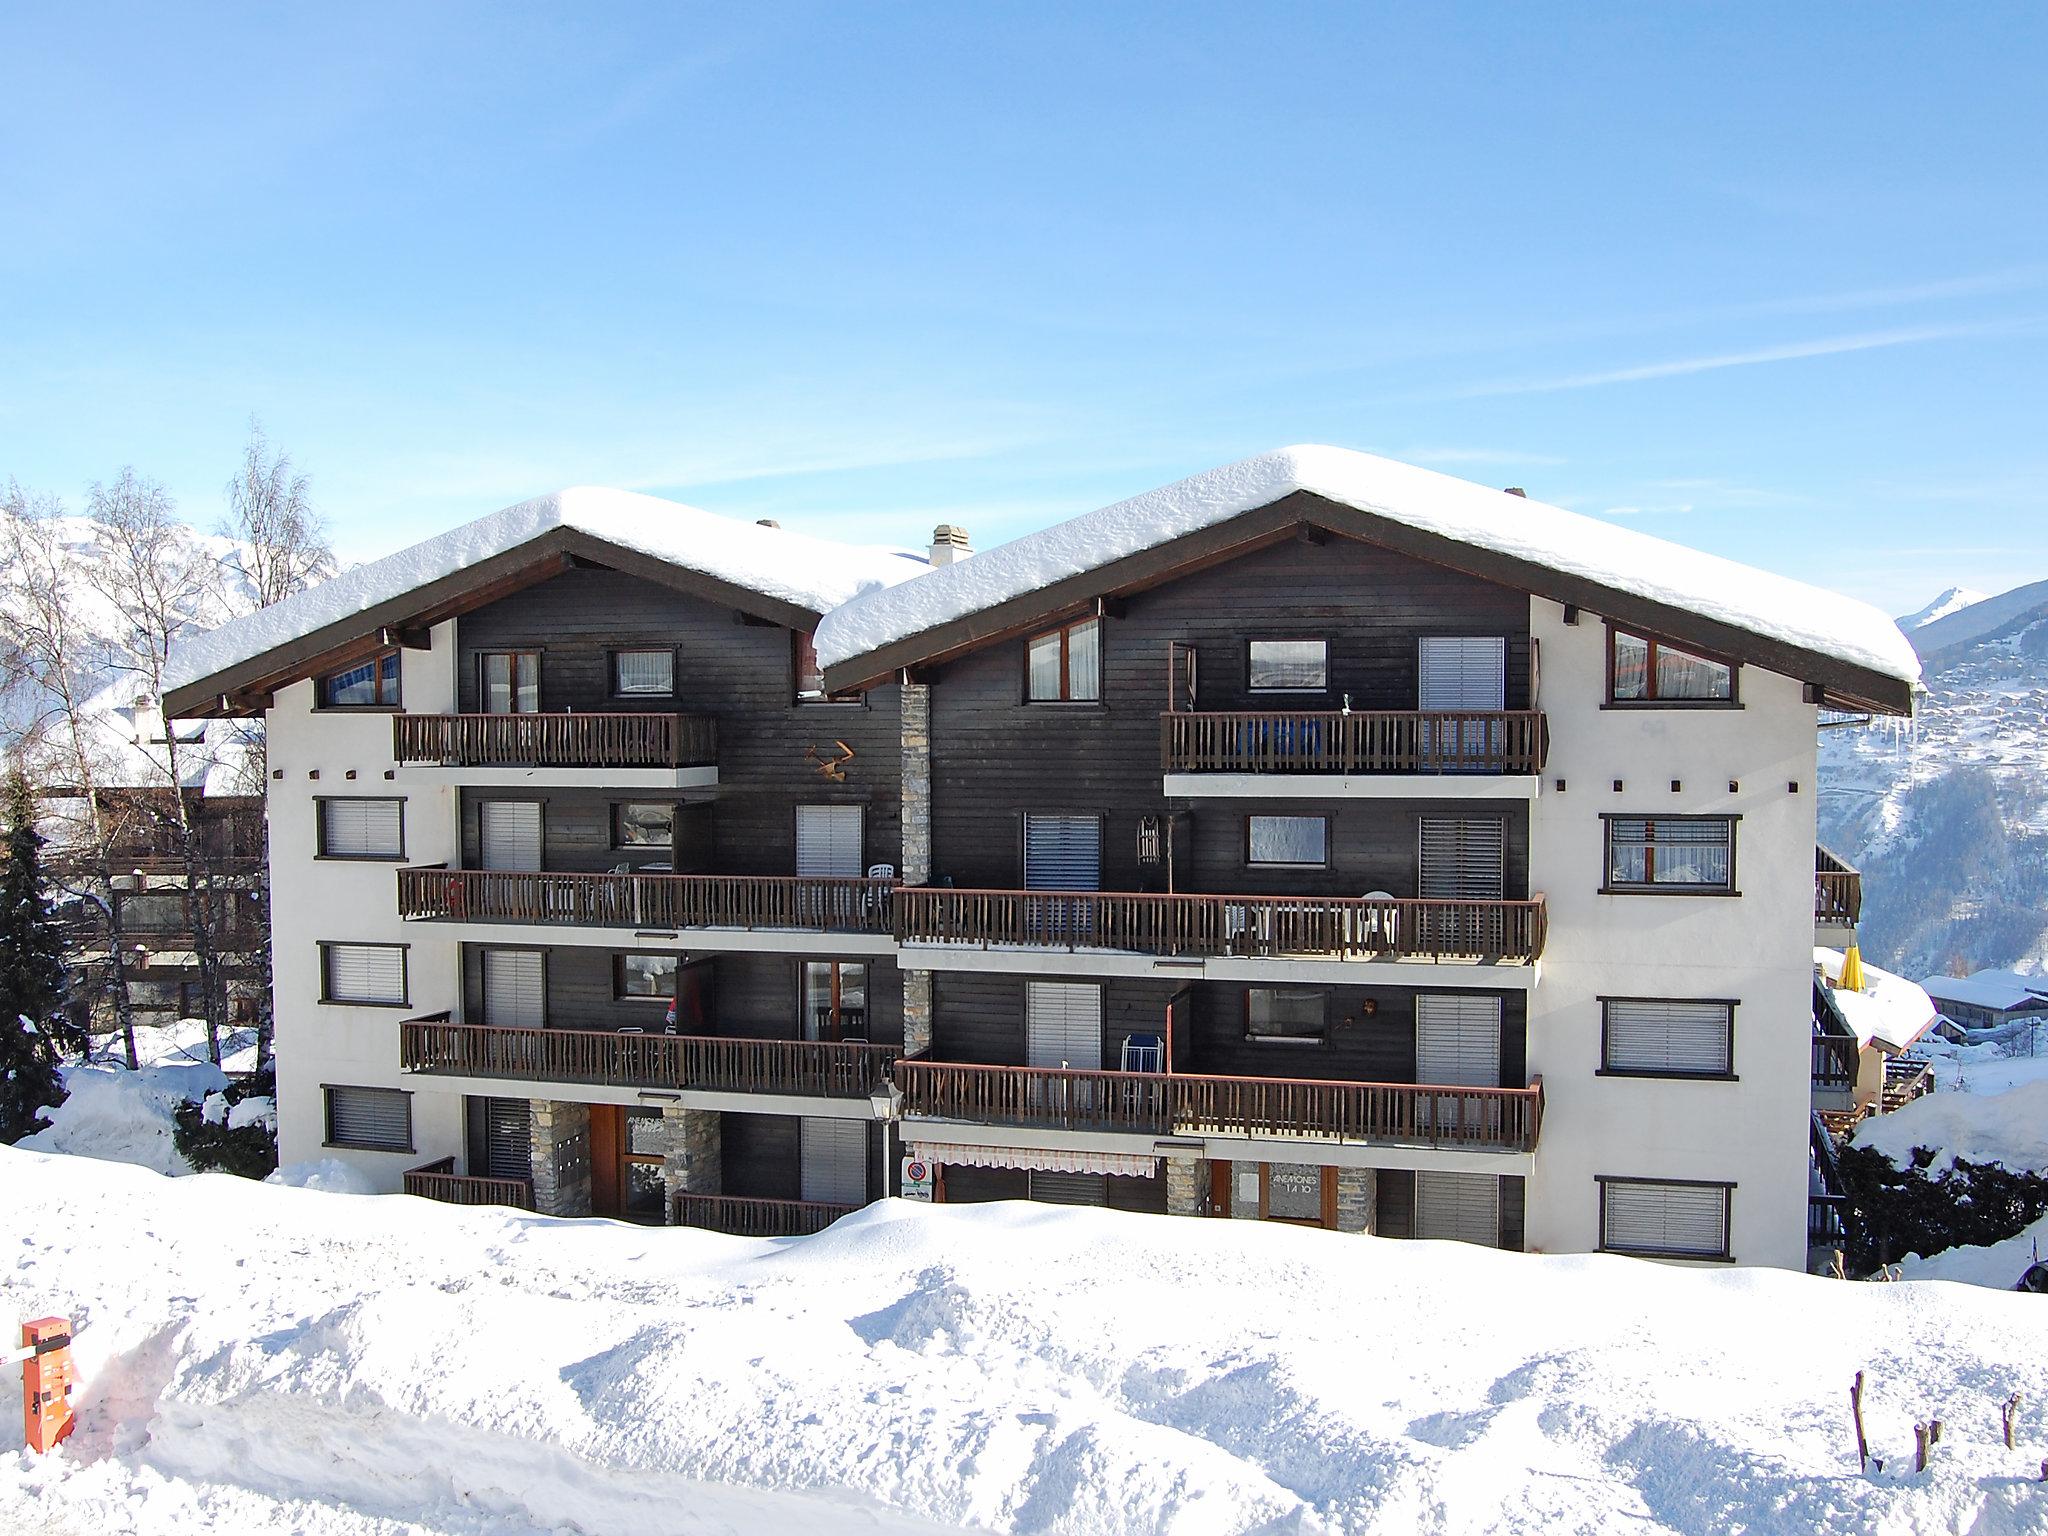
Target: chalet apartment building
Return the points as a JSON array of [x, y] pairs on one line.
[[1316, 840]]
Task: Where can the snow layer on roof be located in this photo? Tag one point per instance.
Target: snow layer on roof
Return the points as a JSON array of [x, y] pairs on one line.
[[2001, 990], [1890, 1012], [1652, 568], [812, 573]]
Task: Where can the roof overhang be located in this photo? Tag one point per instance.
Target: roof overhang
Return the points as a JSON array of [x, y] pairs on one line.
[[244, 688], [1838, 683]]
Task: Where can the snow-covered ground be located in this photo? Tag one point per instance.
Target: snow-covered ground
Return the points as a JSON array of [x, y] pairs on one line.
[[259, 1359], [110, 1112]]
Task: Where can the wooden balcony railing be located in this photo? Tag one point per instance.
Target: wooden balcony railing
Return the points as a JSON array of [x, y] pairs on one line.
[[832, 1069], [1325, 927], [743, 1216], [646, 901], [1834, 1061], [1153, 1103], [556, 741], [1837, 891], [438, 1180], [1366, 741]]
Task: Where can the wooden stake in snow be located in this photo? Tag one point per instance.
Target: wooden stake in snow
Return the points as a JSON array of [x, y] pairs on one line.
[[1922, 1438], [2009, 1411], [1856, 1412]]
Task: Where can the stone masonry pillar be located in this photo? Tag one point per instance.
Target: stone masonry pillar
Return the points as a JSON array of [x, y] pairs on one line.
[[692, 1157], [1357, 1195], [561, 1157], [1187, 1185], [917, 1013], [916, 713]]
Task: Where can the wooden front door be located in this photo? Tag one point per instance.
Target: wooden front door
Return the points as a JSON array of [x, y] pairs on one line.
[[1304, 1194], [607, 1136], [625, 1167]]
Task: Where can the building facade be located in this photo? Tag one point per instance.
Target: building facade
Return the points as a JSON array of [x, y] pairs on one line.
[[1294, 861]]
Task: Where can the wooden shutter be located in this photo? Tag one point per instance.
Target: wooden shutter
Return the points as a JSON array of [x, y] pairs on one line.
[[1062, 853], [1647, 1216], [1461, 672], [365, 973], [515, 988], [1063, 1025], [509, 835], [1464, 1207], [1069, 1188], [1666, 1036], [362, 829], [1457, 1040], [828, 841], [834, 1161], [370, 1117]]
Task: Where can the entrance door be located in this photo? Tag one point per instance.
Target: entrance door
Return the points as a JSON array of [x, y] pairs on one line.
[[1464, 1207], [625, 1163], [833, 1161], [1063, 1025], [1461, 673], [1302, 1193], [1463, 859], [515, 988], [509, 834], [1061, 853], [828, 841]]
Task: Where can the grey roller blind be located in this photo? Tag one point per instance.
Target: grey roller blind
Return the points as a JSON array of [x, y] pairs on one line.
[[1069, 1188], [1464, 1207], [1463, 858], [828, 841], [369, 1117], [834, 1161], [510, 834], [1062, 853], [1661, 1035], [1063, 1025], [507, 1127], [364, 973], [1461, 672], [1457, 1041], [362, 829], [515, 988], [1647, 1216]]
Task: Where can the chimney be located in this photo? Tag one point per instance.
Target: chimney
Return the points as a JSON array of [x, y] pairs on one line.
[[766, 522], [1516, 490], [949, 544]]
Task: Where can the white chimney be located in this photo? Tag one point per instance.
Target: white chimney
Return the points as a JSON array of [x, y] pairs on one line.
[[949, 544]]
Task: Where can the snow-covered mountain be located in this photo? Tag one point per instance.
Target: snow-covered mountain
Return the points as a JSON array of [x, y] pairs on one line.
[[1953, 600], [1948, 818]]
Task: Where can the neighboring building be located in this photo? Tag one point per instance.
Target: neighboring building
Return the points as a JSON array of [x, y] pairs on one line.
[[1990, 999], [1316, 840]]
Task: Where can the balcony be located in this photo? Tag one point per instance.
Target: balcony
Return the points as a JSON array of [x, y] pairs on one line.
[[439, 1181], [1243, 1108], [583, 906], [1199, 927], [1837, 891], [1468, 753], [638, 750], [811, 1069], [743, 1216]]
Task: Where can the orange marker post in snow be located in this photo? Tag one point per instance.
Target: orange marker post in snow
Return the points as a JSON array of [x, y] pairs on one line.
[[45, 1357]]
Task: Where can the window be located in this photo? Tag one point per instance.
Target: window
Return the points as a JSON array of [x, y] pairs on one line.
[[374, 1119], [648, 673], [835, 1000], [371, 684], [1666, 1037], [642, 978], [643, 824], [508, 682], [1641, 670], [1296, 840], [1285, 1013], [1670, 1218], [1065, 665], [371, 974], [362, 829], [810, 677], [1671, 853], [1289, 666]]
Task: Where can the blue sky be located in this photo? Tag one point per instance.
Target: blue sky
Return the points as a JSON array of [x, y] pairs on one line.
[[1770, 280]]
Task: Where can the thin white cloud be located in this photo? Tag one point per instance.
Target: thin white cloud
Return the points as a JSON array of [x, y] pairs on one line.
[[1665, 509], [1501, 456]]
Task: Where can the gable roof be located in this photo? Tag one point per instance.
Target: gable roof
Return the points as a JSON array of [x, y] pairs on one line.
[[1852, 649], [788, 577]]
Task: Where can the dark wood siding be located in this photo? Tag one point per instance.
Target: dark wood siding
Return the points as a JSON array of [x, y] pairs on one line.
[[758, 1156]]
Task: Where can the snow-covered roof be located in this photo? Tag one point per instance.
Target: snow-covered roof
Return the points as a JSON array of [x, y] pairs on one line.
[[1622, 559], [811, 573], [2000, 990], [1890, 1012]]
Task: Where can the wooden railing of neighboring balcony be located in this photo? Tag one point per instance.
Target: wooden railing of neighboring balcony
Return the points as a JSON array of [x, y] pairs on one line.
[[1834, 1060], [1154, 1103], [556, 741], [1363, 741], [744, 1216], [1339, 927], [438, 1180], [836, 1069], [1837, 891], [835, 905]]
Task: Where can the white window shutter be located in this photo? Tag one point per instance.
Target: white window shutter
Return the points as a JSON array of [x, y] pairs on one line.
[[1461, 672], [365, 973], [833, 1161], [1063, 1025], [1667, 1036], [509, 832], [1650, 1216], [370, 1117], [1062, 853], [362, 829], [1464, 1207], [1457, 1040], [515, 988], [828, 841]]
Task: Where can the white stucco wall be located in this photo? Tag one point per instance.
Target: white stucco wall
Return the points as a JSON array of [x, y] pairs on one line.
[[1756, 948], [315, 899]]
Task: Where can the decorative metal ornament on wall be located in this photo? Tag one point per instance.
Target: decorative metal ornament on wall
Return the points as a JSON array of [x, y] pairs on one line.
[[830, 768]]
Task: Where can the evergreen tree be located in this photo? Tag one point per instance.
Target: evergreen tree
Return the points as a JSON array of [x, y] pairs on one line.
[[31, 971]]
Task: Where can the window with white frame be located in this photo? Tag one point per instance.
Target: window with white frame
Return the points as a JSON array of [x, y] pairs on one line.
[[373, 1119], [1667, 1037], [368, 974], [1665, 1218], [1671, 853], [1298, 841], [365, 828]]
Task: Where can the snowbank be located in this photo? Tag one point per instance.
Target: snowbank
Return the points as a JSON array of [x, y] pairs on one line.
[[812, 573], [328, 1174], [2009, 1128], [262, 1360], [1617, 557], [1998, 1265], [125, 1117]]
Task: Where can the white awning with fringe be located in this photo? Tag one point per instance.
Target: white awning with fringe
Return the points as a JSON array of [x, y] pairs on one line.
[[1130, 1165]]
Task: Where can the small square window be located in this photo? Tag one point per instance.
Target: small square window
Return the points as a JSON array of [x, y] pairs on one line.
[[1299, 841], [643, 824], [1289, 666], [645, 978], [1065, 665], [644, 673]]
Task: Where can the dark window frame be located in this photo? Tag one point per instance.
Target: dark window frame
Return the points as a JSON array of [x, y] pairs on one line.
[[1253, 688], [327, 997], [838, 964], [1726, 1075], [619, 992], [1321, 1037], [614, 822], [327, 1118], [320, 804], [376, 660], [1727, 1188], [1650, 699], [1065, 632], [1252, 863], [804, 647], [611, 671], [1611, 887]]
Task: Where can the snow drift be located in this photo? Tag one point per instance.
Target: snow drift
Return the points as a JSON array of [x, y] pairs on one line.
[[264, 1359]]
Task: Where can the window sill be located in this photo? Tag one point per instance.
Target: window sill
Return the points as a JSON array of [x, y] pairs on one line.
[[859, 703], [358, 709], [359, 858], [369, 1146], [351, 1002], [1661, 1253], [1077, 706], [1671, 704], [1322, 1039], [1663, 890], [1670, 1077]]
